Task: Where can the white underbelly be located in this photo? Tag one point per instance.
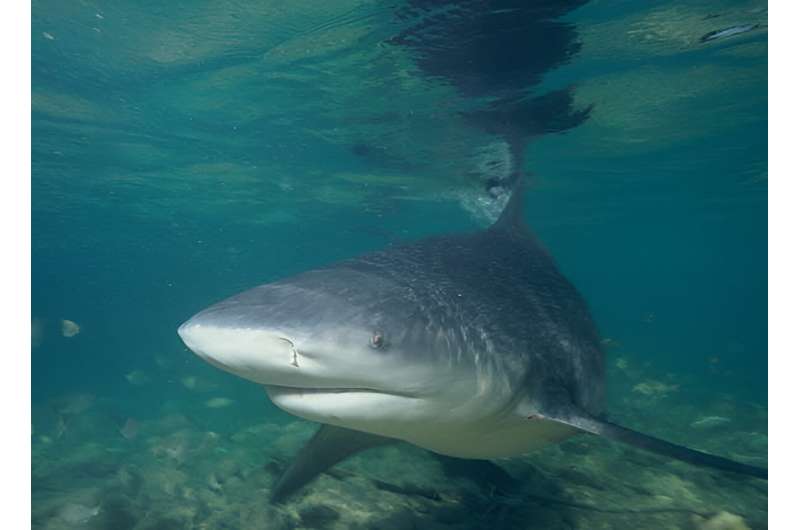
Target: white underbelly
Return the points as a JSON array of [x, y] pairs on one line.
[[490, 440], [421, 422]]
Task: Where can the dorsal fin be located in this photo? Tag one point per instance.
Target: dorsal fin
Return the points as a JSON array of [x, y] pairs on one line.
[[512, 216]]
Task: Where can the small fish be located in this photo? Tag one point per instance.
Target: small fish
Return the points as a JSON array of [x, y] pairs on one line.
[[728, 32], [130, 429], [61, 427], [37, 332], [77, 513], [137, 378], [608, 342], [73, 404], [710, 422], [213, 483], [655, 389], [172, 449], [163, 362], [69, 328], [218, 403], [47, 36], [189, 382]]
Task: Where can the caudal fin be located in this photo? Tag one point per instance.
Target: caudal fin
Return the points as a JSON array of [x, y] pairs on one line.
[[662, 447]]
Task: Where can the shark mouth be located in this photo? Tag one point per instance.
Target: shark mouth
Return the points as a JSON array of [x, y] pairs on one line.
[[354, 408], [297, 390]]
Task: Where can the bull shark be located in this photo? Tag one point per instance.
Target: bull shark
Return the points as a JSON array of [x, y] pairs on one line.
[[469, 345]]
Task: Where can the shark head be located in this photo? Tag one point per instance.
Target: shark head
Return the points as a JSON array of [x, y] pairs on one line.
[[346, 346]]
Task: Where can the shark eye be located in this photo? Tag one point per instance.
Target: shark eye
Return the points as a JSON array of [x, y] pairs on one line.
[[377, 341]]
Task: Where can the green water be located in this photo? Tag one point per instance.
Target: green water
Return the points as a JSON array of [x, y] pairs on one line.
[[183, 152]]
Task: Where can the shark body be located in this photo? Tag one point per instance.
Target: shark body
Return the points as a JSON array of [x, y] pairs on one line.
[[469, 345]]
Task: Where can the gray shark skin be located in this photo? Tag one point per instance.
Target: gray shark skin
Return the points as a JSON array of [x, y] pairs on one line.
[[469, 345]]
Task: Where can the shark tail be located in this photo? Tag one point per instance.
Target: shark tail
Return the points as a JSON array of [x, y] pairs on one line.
[[655, 445]]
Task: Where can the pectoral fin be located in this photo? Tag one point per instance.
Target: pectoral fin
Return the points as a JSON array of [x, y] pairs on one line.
[[618, 433], [329, 446]]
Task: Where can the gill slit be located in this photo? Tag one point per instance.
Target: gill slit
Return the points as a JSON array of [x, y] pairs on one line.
[[294, 353]]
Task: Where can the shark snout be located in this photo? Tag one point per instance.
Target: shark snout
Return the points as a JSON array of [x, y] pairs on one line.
[[259, 355]]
